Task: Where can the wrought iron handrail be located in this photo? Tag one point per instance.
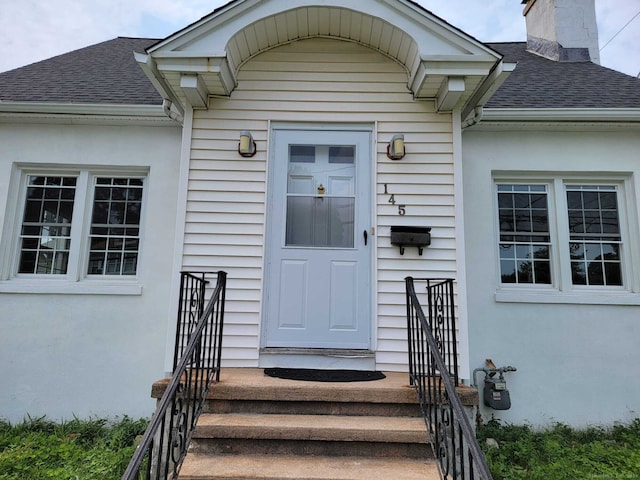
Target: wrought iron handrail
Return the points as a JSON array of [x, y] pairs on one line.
[[452, 437], [164, 445], [441, 320], [190, 308]]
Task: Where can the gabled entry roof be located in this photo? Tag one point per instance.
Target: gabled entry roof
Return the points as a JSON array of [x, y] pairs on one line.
[[442, 62]]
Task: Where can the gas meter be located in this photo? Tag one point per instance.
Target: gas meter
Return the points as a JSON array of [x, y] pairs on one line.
[[495, 394]]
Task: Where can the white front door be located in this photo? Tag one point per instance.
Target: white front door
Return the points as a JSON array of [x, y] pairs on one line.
[[318, 252]]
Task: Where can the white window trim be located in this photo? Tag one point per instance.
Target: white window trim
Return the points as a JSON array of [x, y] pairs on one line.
[[562, 290], [76, 280]]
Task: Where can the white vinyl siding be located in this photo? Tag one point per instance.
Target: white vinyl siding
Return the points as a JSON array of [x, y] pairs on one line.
[[318, 80]]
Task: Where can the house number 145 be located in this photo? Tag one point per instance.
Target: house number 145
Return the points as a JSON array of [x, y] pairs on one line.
[[392, 200]]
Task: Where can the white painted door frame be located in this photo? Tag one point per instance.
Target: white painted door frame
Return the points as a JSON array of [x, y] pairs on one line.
[[301, 279]]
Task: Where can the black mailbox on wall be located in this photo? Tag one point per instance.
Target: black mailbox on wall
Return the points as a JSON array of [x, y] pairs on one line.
[[411, 237]]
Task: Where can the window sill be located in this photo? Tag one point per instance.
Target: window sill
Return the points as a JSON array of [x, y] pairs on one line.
[[64, 287], [576, 298]]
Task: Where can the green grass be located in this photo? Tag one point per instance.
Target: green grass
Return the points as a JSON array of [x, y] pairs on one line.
[[96, 449], [561, 452], [99, 449]]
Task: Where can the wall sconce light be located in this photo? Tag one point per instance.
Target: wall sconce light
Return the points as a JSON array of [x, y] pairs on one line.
[[395, 149], [247, 146]]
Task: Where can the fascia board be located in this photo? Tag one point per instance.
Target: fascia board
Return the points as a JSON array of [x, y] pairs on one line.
[[458, 67], [83, 113], [191, 64], [82, 109], [164, 54], [468, 58], [150, 69], [488, 87], [594, 115]]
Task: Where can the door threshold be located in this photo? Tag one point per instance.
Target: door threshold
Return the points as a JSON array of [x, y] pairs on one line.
[[325, 358], [326, 352]]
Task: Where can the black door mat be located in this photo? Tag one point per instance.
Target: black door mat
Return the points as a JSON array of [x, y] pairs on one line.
[[314, 375]]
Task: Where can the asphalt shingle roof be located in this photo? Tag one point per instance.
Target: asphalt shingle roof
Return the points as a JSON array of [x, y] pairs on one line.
[[105, 73], [538, 82]]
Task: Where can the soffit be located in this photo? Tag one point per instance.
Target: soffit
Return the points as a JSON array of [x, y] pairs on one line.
[[441, 62]]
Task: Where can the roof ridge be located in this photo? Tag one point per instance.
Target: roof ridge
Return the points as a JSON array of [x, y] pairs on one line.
[[506, 43], [126, 37]]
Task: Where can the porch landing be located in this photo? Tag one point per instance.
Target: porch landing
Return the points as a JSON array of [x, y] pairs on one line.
[[252, 384]]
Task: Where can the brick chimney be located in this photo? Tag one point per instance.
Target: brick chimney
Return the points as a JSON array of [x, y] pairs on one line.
[[562, 30]]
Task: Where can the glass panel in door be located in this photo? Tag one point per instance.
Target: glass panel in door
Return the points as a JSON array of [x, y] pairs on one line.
[[320, 196]]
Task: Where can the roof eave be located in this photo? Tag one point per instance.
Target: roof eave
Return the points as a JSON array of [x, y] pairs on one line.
[[592, 115], [491, 84], [83, 113]]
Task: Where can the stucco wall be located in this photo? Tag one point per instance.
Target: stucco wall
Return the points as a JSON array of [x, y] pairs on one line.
[[87, 354], [576, 357]]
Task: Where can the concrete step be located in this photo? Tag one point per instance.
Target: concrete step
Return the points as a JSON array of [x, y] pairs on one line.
[[250, 385], [285, 467], [255, 427], [313, 408], [311, 435], [312, 427]]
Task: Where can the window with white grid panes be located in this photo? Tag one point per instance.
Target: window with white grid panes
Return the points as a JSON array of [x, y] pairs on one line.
[[45, 234], [114, 238], [595, 239], [525, 240], [563, 233], [50, 238]]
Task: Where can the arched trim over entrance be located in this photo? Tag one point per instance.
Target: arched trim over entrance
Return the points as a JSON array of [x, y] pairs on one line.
[[442, 63], [329, 22]]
